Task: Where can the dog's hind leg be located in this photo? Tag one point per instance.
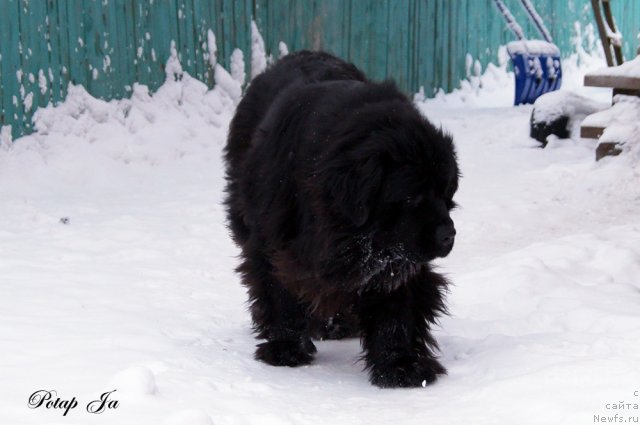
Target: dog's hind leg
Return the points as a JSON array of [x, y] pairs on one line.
[[277, 315], [399, 349]]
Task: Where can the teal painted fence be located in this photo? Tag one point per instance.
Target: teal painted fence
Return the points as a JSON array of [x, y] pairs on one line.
[[107, 45]]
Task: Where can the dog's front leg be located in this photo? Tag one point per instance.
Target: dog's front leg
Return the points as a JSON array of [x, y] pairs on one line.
[[399, 349]]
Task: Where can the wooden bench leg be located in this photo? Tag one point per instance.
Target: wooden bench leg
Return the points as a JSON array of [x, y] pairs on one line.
[[607, 149]]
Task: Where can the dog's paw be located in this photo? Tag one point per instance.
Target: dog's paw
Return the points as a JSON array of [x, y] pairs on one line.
[[286, 353], [406, 372]]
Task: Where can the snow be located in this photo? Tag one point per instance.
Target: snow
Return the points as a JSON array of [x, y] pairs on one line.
[[621, 120], [626, 134], [468, 62], [173, 69], [420, 96], [106, 63], [258, 51], [553, 105], [283, 49], [5, 137], [189, 417], [624, 109], [226, 82], [136, 380], [42, 82], [533, 47], [28, 102], [212, 48], [137, 292], [630, 69], [237, 67], [614, 36]]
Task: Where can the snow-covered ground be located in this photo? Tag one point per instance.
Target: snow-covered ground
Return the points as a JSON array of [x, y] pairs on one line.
[[116, 273]]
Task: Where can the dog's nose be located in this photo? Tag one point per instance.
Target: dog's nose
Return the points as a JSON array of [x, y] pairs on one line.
[[445, 235]]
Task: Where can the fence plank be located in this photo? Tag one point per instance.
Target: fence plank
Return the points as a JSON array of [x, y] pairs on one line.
[[9, 66]]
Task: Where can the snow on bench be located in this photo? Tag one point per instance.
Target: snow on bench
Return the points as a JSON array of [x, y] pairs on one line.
[[618, 125], [625, 76], [625, 110], [615, 126]]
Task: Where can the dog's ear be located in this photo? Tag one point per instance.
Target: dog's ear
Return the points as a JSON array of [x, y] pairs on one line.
[[354, 186]]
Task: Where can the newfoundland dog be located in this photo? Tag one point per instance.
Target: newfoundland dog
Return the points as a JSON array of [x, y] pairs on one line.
[[339, 193]]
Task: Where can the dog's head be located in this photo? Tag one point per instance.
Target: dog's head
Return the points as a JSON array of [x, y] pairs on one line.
[[394, 180]]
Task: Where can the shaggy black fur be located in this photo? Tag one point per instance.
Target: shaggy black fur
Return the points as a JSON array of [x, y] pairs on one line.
[[339, 194]]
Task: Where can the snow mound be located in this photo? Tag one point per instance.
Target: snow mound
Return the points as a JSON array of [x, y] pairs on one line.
[[622, 133], [624, 124], [493, 88], [551, 106], [135, 123], [621, 122], [136, 380]]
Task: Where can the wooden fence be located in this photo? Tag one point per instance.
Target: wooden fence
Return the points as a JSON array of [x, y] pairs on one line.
[[107, 45]]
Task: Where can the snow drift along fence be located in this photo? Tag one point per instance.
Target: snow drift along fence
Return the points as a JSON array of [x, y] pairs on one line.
[[107, 45]]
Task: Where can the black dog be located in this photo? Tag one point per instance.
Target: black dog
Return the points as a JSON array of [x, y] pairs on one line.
[[339, 194]]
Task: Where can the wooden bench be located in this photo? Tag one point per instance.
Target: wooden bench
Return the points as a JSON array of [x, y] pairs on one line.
[[622, 77], [621, 83]]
